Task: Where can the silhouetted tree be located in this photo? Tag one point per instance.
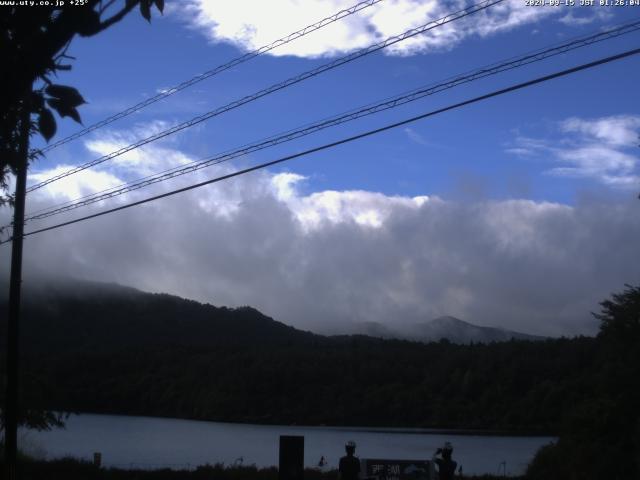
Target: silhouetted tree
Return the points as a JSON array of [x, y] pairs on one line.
[[33, 44], [601, 438], [620, 316], [33, 47]]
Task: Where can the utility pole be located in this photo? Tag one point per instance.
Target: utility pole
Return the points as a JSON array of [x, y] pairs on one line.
[[15, 283]]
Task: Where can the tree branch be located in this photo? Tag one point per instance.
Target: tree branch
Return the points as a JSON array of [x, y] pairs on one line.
[[118, 16], [104, 8]]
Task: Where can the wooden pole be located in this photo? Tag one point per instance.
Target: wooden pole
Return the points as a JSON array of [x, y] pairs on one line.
[[15, 284]]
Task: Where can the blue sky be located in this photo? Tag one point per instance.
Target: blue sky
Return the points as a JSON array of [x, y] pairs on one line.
[[519, 211], [458, 154]]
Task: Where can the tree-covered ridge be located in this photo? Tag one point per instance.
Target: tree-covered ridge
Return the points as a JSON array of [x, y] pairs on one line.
[[88, 317], [118, 350], [600, 438]]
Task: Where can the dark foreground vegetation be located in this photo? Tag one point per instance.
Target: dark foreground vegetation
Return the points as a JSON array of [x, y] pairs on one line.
[[600, 438], [70, 469], [117, 350]]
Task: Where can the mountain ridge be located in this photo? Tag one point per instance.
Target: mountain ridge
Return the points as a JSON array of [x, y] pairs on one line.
[[105, 349], [78, 294], [107, 316], [447, 328]]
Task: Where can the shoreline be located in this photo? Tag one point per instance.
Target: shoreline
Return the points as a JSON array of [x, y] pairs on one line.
[[357, 428]]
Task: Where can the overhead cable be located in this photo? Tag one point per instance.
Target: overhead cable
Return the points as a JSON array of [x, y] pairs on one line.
[[369, 133], [386, 104], [214, 71], [276, 87]]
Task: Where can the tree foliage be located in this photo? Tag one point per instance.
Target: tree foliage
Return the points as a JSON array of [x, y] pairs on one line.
[[34, 41], [601, 438], [33, 47], [620, 316]]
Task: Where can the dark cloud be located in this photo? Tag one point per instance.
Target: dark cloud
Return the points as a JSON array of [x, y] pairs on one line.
[[327, 260]]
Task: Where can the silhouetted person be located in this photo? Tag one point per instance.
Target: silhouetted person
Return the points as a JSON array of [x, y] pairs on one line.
[[446, 465], [349, 468]]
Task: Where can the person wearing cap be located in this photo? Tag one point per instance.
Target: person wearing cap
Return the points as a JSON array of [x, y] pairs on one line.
[[349, 468], [446, 465]]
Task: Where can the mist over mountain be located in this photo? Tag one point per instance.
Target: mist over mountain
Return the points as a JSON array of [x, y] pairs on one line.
[[421, 263], [448, 328], [146, 317], [71, 315], [459, 331], [105, 348]]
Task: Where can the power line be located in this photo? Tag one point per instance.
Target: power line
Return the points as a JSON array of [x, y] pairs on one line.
[[387, 104], [219, 69], [392, 102], [495, 93], [278, 86]]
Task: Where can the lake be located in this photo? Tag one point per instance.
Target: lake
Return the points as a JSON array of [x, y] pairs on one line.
[[147, 443]]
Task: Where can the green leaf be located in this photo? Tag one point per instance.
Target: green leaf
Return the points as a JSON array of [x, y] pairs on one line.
[[37, 101], [69, 95], [145, 9], [47, 124], [73, 113], [63, 109], [159, 5], [90, 23]]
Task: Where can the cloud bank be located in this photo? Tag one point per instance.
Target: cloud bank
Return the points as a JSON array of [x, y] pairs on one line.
[[252, 24], [327, 260], [603, 149]]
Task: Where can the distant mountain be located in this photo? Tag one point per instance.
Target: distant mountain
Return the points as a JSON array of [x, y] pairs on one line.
[[449, 328], [459, 331], [375, 329], [104, 348], [106, 315]]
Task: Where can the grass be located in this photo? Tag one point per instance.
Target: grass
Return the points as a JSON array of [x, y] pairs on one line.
[[73, 469]]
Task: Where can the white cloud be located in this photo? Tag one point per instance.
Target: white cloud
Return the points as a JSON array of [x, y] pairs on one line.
[[618, 130], [626, 181], [285, 184], [520, 151], [252, 24], [143, 161], [589, 15], [326, 259], [415, 136], [78, 185], [604, 149], [362, 208], [595, 160]]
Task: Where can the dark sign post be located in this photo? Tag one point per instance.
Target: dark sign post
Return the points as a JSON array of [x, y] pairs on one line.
[[291, 458], [397, 469]]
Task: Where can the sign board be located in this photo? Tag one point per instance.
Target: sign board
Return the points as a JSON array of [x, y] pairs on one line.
[[379, 469], [291, 457]]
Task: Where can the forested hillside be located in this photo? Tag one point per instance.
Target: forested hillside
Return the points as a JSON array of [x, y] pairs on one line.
[[112, 349]]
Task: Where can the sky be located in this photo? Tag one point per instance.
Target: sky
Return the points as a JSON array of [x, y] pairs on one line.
[[520, 211]]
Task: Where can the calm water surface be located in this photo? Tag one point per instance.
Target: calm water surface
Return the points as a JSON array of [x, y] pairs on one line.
[[147, 442]]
